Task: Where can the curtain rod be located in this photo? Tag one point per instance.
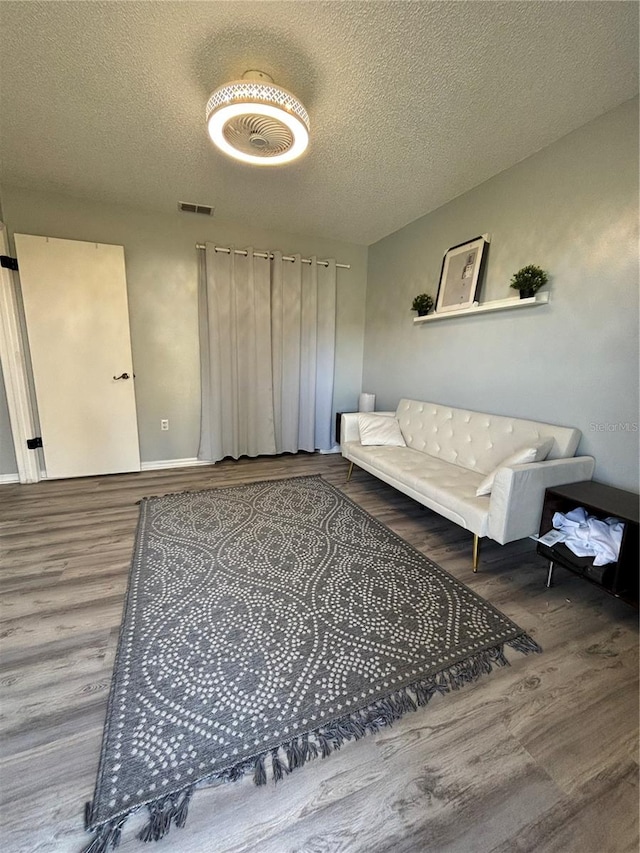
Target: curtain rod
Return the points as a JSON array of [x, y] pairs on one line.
[[201, 246]]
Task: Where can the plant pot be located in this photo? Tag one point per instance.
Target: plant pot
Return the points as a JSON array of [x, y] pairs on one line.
[[422, 313], [527, 294]]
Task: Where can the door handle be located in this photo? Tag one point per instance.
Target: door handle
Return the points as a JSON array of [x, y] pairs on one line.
[[122, 376]]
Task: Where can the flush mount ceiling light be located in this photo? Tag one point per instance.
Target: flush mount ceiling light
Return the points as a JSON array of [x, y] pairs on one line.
[[255, 121]]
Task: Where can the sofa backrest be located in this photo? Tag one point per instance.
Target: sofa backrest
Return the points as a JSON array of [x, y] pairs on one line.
[[476, 440]]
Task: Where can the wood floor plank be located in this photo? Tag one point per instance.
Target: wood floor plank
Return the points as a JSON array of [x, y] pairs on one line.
[[538, 756]]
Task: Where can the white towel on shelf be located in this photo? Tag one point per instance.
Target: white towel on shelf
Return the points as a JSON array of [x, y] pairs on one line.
[[587, 536]]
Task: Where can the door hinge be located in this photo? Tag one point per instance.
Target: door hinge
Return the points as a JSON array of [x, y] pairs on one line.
[[9, 262], [33, 443]]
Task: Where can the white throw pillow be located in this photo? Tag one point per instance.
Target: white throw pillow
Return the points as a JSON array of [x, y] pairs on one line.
[[380, 429], [543, 449], [537, 452]]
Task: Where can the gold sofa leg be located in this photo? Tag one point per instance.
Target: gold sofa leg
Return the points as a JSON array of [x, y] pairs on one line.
[[476, 551], [350, 471]]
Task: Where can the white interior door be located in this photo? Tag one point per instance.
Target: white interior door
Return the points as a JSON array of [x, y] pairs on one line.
[[77, 318]]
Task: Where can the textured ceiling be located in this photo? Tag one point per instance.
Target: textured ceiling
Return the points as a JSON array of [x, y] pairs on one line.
[[411, 103]]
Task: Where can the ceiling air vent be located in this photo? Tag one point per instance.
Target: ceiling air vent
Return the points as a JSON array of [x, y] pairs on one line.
[[189, 207]]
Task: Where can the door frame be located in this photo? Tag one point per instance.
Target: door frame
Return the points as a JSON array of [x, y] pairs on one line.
[[15, 370]]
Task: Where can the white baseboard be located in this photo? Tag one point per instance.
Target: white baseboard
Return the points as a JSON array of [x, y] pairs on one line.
[[144, 466], [9, 478], [172, 463], [158, 465]]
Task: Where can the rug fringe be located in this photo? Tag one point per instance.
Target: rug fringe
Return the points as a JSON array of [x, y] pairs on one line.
[[182, 808], [164, 811], [278, 768], [525, 644], [385, 711], [107, 836], [319, 742], [260, 774], [172, 808]]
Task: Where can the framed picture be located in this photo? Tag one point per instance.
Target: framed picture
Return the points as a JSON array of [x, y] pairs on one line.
[[461, 273]]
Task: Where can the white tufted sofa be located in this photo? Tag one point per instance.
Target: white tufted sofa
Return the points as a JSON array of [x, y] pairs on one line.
[[450, 451]]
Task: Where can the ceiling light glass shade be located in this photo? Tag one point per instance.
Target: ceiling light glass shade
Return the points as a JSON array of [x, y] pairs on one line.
[[255, 121]]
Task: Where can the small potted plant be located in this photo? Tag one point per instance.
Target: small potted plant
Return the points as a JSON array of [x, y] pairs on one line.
[[529, 280], [422, 303]]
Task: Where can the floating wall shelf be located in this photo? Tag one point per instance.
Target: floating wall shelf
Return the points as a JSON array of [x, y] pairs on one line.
[[496, 305]]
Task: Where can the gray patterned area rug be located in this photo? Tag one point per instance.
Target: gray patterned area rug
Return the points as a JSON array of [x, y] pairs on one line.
[[264, 626]]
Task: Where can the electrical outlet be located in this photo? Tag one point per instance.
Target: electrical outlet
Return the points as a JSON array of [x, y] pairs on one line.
[[164, 424]]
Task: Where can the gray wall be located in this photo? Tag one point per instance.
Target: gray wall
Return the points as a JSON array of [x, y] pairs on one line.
[[572, 208], [161, 262]]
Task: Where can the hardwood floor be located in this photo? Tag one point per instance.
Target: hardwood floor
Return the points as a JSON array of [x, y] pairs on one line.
[[540, 756]]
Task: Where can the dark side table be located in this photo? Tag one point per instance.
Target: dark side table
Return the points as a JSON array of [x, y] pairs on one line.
[[620, 578]]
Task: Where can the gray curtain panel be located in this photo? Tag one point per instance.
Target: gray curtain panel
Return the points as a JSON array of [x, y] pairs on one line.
[[267, 345]]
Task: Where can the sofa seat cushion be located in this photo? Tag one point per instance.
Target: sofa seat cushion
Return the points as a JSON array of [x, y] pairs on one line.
[[446, 488]]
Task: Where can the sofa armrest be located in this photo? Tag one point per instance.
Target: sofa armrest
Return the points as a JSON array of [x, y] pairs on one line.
[[517, 496], [349, 429]]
